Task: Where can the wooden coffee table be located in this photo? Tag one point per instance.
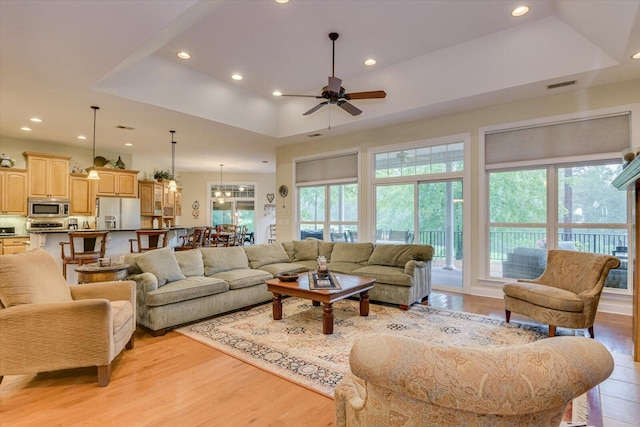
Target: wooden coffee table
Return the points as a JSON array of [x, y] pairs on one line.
[[351, 285]]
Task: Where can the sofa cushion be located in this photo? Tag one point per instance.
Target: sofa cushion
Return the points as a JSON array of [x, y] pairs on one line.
[[284, 267], [186, 289], [190, 262], [217, 260], [243, 278], [289, 249], [305, 250], [265, 254], [325, 249], [131, 259], [31, 277], [399, 255], [352, 252], [545, 296], [161, 263], [344, 267], [385, 274]]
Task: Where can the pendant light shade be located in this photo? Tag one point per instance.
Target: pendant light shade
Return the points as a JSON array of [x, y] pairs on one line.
[[93, 174], [172, 184]]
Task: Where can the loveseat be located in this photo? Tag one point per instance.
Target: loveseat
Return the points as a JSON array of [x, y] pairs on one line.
[[173, 288]]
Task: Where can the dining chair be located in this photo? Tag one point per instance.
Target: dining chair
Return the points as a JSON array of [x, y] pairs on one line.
[[85, 247], [193, 240]]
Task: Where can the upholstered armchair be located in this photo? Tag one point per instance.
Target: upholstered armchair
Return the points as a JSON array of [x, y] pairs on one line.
[[47, 325], [400, 381], [566, 294]]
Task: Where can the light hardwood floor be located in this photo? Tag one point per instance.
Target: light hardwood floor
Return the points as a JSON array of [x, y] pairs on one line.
[[175, 381]]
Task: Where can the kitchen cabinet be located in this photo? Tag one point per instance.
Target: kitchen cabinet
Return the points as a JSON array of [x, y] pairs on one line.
[[13, 192], [116, 182], [151, 198], [48, 175], [13, 245], [81, 195], [177, 203]]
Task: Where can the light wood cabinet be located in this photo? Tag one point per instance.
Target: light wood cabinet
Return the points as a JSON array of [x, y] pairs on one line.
[[116, 182], [82, 199], [177, 203], [13, 245], [48, 175], [151, 198], [13, 192], [168, 199]]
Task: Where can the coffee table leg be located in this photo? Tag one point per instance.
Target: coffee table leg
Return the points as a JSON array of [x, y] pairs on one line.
[[327, 318], [277, 306], [364, 303]]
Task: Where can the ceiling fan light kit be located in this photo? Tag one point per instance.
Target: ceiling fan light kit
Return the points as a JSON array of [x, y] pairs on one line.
[[335, 94]]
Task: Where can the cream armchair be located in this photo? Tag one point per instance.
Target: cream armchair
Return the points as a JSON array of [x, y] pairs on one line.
[[566, 294], [399, 381], [47, 325]]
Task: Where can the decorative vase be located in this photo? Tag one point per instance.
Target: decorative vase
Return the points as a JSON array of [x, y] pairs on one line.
[[5, 162], [120, 163]]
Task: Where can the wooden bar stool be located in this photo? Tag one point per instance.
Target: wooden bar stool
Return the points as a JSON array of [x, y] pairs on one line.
[[85, 247], [148, 240]]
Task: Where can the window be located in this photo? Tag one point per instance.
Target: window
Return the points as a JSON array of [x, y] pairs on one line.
[[418, 199], [537, 202], [337, 213], [328, 197]]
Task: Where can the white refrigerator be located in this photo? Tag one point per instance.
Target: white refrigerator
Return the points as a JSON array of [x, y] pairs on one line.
[[115, 213]]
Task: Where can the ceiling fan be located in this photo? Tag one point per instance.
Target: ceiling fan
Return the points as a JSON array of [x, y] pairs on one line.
[[334, 93]]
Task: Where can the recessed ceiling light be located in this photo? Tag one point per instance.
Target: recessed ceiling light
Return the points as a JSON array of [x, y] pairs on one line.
[[277, 93], [26, 129], [636, 56], [520, 10], [236, 77], [82, 137], [282, 1], [128, 144], [183, 55], [35, 120], [370, 61]]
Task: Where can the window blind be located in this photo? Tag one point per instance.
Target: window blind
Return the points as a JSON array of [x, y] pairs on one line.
[[326, 169], [583, 137]]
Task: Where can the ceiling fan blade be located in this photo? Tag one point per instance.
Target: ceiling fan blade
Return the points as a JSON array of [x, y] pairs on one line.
[[334, 84], [316, 108], [366, 95], [304, 96], [349, 108]]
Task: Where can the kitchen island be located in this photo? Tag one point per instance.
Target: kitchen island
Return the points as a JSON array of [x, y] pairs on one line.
[[117, 244]]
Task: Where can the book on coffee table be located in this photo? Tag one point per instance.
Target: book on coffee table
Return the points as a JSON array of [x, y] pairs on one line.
[[317, 283]]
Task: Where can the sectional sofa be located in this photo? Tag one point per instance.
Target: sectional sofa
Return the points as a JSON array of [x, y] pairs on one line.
[[181, 287]]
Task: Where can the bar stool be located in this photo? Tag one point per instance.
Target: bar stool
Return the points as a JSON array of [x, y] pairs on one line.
[[85, 247], [148, 240]]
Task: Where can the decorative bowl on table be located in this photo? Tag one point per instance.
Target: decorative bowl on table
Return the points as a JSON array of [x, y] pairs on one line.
[[288, 277]]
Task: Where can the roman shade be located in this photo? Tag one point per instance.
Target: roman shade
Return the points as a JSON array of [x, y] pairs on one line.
[[342, 167], [558, 140]]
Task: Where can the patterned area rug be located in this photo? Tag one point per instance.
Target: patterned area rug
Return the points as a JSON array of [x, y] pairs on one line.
[[295, 347]]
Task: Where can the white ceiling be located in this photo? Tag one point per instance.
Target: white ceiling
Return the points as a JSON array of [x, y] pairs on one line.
[[57, 58]]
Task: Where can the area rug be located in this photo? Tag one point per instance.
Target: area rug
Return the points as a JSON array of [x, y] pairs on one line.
[[295, 347]]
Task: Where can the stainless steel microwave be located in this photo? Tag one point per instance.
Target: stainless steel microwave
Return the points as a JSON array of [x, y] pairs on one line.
[[48, 207]]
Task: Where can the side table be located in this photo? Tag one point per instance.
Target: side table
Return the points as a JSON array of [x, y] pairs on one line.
[[90, 273]]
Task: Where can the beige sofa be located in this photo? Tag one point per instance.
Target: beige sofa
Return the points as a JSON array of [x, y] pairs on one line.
[[399, 381], [181, 287]]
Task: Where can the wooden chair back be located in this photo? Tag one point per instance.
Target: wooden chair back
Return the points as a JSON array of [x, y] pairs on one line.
[[85, 247], [148, 240]]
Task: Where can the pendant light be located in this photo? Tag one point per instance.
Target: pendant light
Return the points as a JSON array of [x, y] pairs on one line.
[[93, 173], [219, 193], [172, 183]]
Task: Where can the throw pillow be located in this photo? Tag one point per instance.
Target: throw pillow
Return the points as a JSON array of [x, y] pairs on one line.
[[161, 263], [190, 262], [31, 277], [270, 253], [352, 252], [305, 250]]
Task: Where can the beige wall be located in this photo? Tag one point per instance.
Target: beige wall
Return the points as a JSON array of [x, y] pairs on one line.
[[468, 122], [195, 187]]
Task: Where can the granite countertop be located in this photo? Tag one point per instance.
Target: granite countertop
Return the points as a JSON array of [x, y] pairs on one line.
[[112, 231]]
